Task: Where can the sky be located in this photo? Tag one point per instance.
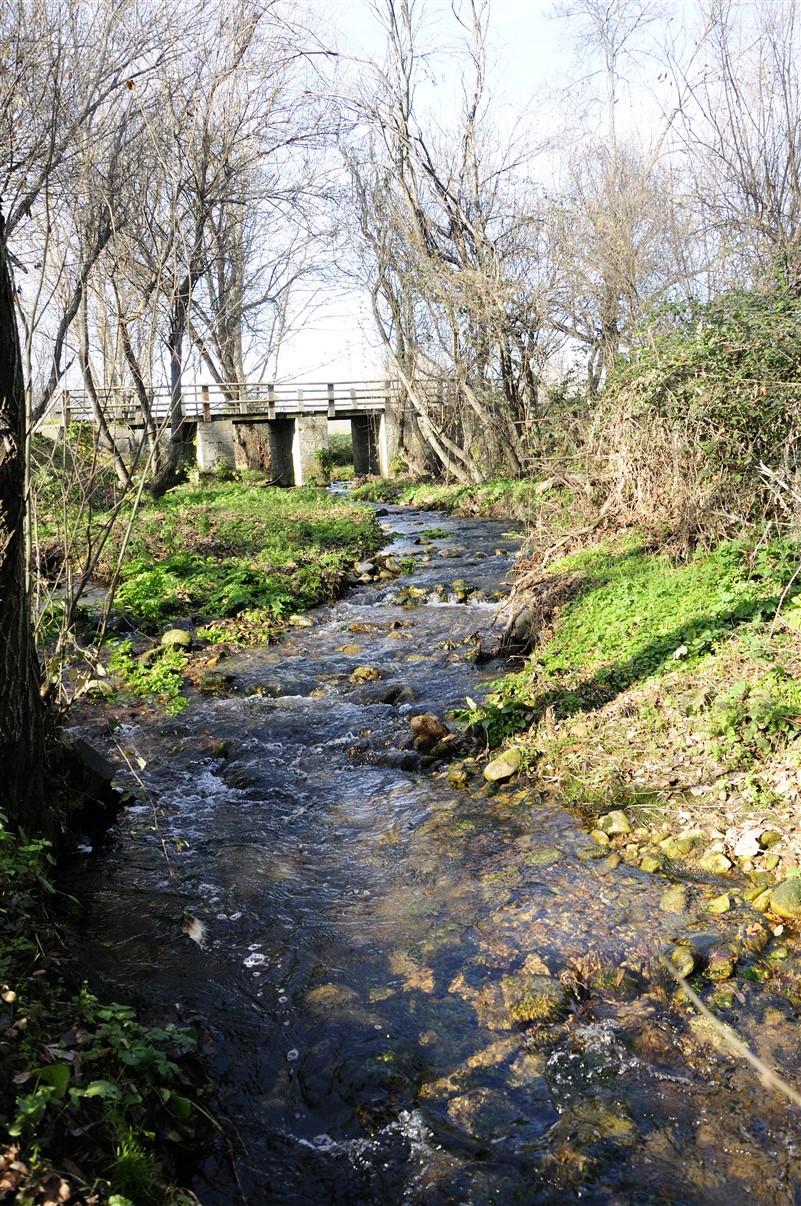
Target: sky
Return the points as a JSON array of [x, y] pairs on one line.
[[527, 51]]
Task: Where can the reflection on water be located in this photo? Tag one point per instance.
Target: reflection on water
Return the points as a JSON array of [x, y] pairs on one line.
[[414, 992]]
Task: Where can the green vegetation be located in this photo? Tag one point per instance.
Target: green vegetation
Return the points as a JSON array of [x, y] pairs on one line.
[[74, 1068], [341, 452], [653, 661], [159, 676], [698, 425], [223, 549], [506, 498], [638, 612]]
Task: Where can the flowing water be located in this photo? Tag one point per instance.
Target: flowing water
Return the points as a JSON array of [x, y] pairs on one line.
[[374, 931]]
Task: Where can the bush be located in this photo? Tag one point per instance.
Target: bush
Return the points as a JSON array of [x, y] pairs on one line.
[[709, 395]]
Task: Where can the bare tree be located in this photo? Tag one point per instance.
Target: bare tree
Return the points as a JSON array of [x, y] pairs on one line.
[[742, 134], [453, 254]]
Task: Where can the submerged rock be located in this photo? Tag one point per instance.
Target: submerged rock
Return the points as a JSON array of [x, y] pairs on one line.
[[675, 900], [534, 998]]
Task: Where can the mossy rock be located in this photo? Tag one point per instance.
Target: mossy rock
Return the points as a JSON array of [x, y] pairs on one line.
[[786, 898], [675, 900], [533, 998], [614, 823], [614, 982], [177, 638], [504, 766]]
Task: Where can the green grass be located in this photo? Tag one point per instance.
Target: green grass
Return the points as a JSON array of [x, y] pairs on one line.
[[223, 549], [639, 612], [638, 615], [656, 674]]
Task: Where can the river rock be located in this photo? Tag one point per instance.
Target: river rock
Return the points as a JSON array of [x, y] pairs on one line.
[[747, 844], [534, 998], [715, 862], [768, 838], [614, 823], [721, 904], [429, 727], [786, 898], [212, 681], [365, 674], [177, 638], [762, 902], [683, 843], [683, 960], [522, 629], [364, 568], [504, 766], [300, 621], [721, 963], [675, 900], [457, 775], [96, 772]]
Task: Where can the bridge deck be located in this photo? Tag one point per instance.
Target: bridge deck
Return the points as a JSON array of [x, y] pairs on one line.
[[263, 400]]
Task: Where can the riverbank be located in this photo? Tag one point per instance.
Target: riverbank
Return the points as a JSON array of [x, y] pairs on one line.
[[216, 567], [658, 691], [99, 1102], [662, 692]]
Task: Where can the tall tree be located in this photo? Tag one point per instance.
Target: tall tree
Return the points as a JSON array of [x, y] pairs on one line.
[[21, 708]]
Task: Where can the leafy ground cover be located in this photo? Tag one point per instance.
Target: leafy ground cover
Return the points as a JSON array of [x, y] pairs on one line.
[[232, 561], [668, 687], [95, 1105], [217, 550]]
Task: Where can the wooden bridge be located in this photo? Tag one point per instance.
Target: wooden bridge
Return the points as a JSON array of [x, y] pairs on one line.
[[296, 418]]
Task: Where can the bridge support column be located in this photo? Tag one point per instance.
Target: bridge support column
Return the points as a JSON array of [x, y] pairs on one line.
[[215, 446], [364, 436], [132, 442], [389, 430], [310, 437], [281, 433]]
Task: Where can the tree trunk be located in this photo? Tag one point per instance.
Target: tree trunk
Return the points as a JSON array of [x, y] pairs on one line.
[[21, 707]]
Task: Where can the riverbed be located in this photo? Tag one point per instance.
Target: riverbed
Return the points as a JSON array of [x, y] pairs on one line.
[[414, 987]]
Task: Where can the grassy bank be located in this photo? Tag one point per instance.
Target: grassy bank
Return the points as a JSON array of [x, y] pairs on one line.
[[227, 563], [669, 690], [216, 551]]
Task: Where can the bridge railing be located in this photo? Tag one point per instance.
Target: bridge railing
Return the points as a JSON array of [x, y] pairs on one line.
[[228, 400]]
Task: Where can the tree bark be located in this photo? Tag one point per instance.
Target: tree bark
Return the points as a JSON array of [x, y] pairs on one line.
[[21, 706]]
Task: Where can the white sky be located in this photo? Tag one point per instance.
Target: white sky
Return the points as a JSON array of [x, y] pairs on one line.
[[526, 53]]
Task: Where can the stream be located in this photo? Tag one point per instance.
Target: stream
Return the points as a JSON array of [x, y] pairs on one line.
[[413, 989]]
